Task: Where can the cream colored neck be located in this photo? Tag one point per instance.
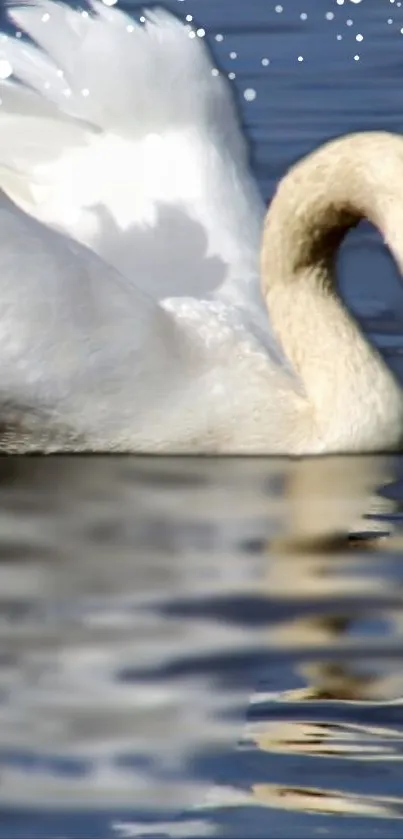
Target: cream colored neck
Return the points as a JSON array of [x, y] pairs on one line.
[[356, 402]]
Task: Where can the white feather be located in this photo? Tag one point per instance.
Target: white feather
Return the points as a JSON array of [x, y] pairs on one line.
[[140, 155], [120, 136]]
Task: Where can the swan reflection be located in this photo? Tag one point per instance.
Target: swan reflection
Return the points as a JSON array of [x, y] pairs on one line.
[[330, 584], [155, 613]]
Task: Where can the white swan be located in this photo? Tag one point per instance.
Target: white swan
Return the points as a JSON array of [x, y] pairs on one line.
[[155, 337]]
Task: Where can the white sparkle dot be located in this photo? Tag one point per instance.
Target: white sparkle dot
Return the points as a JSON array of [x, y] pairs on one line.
[[84, 13], [300, 58], [390, 20], [45, 17], [231, 75], [215, 72], [109, 2], [18, 34], [356, 58], [359, 37], [265, 62], [249, 94], [129, 27], [340, 2], [349, 22], [59, 73], [233, 54], [219, 37], [329, 15], [304, 16], [278, 9], [189, 18], [200, 32], [85, 91], [355, 1], [142, 19], [192, 34], [5, 68], [339, 37]]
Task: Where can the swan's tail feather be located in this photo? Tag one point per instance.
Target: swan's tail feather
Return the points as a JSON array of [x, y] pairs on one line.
[[102, 67]]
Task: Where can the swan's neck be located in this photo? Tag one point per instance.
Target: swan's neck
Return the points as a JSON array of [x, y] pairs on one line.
[[356, 402]]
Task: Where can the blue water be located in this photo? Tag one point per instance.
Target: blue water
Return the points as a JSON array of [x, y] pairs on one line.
[[188, 650], [186, 647]]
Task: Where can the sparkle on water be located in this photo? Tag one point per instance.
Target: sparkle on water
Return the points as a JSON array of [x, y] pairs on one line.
[[249, 94]]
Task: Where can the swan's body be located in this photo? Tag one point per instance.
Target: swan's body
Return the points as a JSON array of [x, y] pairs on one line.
[[122, 139]]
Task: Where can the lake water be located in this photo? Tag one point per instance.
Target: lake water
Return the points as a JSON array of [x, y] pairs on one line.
[[188, 647]]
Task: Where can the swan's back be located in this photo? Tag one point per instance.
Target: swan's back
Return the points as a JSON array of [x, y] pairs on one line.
[[126, 137]]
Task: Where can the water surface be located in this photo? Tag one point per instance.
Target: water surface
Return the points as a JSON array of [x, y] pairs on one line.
[[190, 647]]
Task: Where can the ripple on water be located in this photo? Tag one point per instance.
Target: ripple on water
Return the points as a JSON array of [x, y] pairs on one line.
[[192, 647]]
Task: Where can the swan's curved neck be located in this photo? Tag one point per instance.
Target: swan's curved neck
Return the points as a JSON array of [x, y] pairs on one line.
[[356, 402]]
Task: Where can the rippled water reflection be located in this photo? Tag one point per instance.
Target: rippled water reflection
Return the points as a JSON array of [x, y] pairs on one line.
[[192, 647]]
